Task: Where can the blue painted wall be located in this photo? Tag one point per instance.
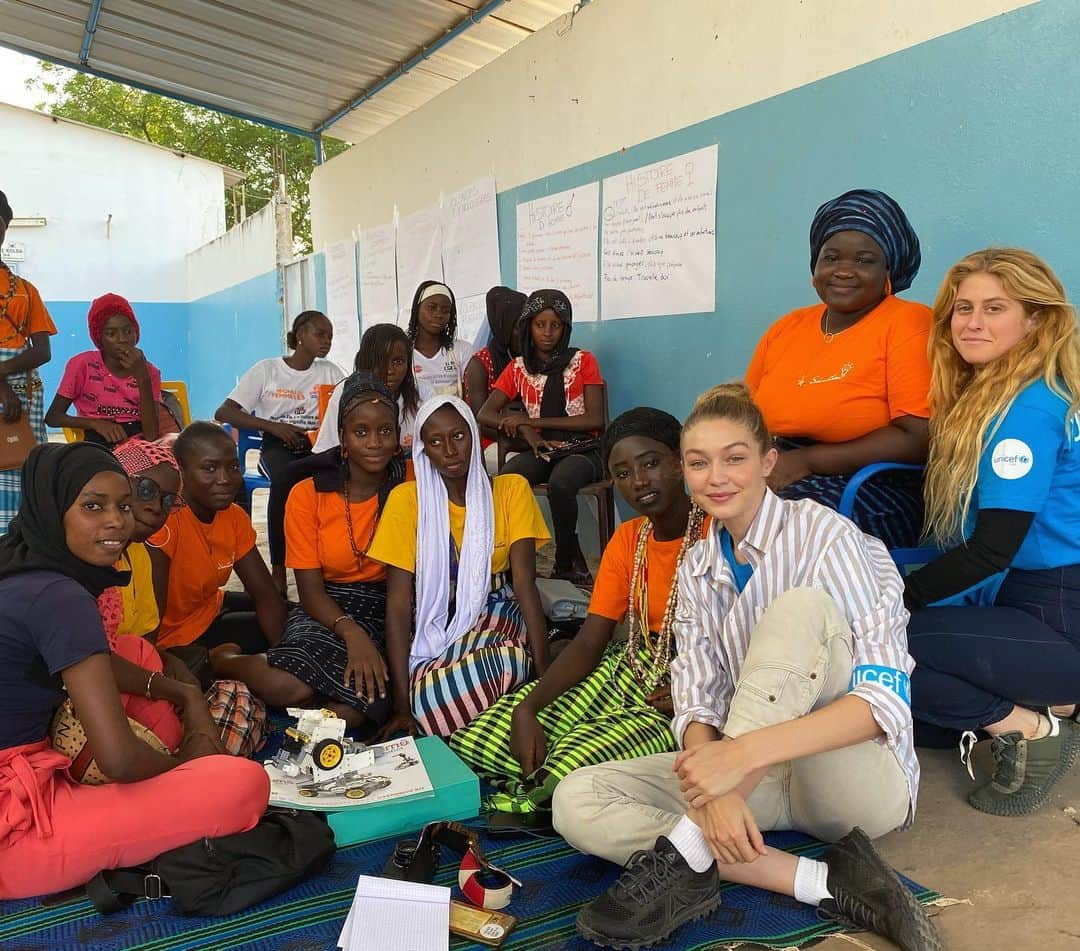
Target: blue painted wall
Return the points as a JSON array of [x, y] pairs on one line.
[[208, 342], [163, 338], [227, 332], [974, 133]]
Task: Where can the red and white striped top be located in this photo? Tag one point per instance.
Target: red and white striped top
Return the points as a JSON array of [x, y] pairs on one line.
[[792, 544]]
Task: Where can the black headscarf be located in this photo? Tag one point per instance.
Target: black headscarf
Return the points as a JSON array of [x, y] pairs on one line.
[[330, 466], [52, 478], [504, 307], [642, 421], [553, 401], [6, 213]]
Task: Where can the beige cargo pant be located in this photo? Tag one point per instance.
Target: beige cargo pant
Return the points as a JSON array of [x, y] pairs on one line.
[[799, 659]]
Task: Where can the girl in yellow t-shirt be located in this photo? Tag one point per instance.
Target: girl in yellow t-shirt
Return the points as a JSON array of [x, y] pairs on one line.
[[453, 536]]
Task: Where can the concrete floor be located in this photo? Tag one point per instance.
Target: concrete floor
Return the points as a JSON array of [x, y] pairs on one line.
[[1017, 874]]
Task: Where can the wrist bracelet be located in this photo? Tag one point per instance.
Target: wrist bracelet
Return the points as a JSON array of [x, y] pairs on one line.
[[338, 620], [149, 681]]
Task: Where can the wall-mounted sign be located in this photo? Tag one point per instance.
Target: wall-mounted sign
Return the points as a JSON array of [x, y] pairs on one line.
[[35, 222], [13, 251]]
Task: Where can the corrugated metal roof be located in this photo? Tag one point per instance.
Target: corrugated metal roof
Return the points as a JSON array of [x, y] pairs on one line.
[[294, 64]]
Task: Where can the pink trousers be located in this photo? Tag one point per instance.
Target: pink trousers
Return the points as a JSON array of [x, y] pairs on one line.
[[56, 834]]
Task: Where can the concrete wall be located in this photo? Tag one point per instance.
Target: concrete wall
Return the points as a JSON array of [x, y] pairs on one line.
[[122, 216], [970, 130], [627, 71]]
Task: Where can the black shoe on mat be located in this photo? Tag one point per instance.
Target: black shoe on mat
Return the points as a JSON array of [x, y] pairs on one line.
[[868, 894], [656, 893]]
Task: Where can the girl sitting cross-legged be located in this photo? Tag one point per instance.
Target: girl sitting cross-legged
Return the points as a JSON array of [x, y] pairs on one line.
[[333, 651], [598, 701], [466, 548], [790, 691], [73, 522]]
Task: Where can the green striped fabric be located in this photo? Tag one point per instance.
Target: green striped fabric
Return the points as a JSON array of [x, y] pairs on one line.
[[603, 718]]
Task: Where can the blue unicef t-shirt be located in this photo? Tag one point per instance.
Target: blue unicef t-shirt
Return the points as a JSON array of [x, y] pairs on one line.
[[1032, 464]]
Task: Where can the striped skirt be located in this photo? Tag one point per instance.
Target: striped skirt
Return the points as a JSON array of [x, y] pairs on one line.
[[888, 506], [450, 691], [317, 656], [603, 718], [33, 404]]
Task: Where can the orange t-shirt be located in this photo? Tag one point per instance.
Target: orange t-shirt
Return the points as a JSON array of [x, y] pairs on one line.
[[861, 380], [201, 559], [611, 590], [317, 534], [25, 314]]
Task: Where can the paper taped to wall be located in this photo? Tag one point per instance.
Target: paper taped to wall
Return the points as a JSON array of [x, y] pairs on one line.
[[658, 246]]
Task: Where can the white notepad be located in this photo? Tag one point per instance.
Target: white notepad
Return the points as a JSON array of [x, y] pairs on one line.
[[390, 915]]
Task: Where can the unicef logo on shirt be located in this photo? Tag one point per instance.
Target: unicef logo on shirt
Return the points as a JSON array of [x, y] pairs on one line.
[[1011, 459]]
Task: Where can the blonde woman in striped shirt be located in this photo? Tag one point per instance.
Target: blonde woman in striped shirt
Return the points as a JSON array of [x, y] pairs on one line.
[[792, 707]]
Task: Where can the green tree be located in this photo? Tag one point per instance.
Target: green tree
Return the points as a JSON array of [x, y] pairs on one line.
[[246, 146]]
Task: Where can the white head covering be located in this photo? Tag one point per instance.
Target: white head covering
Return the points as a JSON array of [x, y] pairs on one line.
[[433, 635]]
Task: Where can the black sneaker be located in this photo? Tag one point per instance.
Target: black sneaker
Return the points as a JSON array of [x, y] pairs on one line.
[[869, 895], [656, 893]]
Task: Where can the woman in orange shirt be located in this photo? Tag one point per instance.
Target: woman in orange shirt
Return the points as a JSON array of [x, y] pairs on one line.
[[25, 328], [599, 702], [846, 383], [333, 647]]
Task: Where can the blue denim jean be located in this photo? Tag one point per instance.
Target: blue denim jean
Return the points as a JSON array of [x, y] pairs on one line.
[[974, 664]]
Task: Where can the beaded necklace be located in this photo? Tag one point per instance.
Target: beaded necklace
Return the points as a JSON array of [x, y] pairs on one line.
[[358, 552], [637, 615], [5, 301]]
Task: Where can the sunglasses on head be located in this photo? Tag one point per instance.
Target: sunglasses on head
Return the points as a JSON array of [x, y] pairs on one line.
[[147, 490]]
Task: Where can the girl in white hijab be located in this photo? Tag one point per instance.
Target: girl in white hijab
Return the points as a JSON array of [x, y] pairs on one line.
[[453, 537]]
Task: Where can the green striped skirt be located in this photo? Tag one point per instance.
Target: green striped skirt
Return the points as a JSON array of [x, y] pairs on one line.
[[603, 718]]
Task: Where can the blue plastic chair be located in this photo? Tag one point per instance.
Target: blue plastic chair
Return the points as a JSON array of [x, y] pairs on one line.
[[248, 439], [903, 557]]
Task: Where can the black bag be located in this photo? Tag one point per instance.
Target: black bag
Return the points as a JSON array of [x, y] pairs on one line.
[[228, 874]]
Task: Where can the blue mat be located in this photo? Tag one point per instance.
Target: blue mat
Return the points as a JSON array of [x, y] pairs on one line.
[[557, 882]]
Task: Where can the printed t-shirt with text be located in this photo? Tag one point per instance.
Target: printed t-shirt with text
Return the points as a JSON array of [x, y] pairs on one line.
[[273, 390], [841, 389], [201, 558], [98, 394]]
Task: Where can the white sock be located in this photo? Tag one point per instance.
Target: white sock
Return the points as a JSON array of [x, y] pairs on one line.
[[687, 838], [811, 881]]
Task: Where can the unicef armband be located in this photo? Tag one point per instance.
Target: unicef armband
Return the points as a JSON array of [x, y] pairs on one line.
[[888, 677]]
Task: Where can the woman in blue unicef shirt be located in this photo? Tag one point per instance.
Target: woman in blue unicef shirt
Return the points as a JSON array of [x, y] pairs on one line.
[[995, 629]]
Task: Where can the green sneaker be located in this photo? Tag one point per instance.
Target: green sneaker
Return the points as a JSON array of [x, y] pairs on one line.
[[1026, 770]]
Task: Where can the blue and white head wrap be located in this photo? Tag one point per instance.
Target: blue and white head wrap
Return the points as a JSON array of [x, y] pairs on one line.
[[875, 214]]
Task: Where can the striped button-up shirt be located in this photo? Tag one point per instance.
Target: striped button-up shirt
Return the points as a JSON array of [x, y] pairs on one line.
[[794, 545]]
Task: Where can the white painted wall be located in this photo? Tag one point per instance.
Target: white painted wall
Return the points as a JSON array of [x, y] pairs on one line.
[[627, 71], [122, 214], [244, 251]]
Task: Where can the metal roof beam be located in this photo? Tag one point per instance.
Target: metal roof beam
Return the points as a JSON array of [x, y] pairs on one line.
[[449, 36], [91, 29]]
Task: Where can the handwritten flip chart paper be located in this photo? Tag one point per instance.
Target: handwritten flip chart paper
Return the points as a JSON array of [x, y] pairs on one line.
[[659, 238], [341, 306], [378, 276], [556, 246], [472, 325], [419, 254], [470, 232]]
